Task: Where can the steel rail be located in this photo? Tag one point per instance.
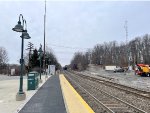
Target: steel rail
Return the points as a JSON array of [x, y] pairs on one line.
[[108, 109], [139, 110], [141, 93]]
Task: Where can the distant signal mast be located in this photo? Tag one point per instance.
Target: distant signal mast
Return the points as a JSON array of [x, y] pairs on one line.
[[126, 30]]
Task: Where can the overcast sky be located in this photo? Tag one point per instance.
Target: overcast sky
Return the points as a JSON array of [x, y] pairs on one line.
[[77, 25]]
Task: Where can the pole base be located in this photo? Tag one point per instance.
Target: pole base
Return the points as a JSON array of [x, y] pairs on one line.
[[20, 97], [41, 80], [46, 77]]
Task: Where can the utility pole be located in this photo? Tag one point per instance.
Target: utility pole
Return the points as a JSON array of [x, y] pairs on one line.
[[44, 37], [30, 48]]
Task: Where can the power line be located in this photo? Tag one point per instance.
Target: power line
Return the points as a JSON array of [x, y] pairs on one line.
[[64, 52], [69, 47]]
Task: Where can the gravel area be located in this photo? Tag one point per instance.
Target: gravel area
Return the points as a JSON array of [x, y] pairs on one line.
[[130, 98], [128, 79], [141, 103], [91, 102]]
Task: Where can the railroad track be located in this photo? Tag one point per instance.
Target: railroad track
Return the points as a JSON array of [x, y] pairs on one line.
[[107, 82], [110, 103]]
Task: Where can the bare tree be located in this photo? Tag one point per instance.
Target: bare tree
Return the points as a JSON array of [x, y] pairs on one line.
[[3, 60], [3, 56]]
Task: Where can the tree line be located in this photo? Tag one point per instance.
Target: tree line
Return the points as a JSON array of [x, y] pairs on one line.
[[113, 53], [33, 62]]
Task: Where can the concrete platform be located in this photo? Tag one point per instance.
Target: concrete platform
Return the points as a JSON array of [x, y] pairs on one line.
[[73, 101], [9, 86], [48, 99], [56, 96]]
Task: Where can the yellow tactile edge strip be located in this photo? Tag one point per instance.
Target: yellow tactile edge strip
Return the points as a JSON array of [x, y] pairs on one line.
[[74, 103]]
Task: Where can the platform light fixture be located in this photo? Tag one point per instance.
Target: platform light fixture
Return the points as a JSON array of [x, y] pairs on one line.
[[23, 29]]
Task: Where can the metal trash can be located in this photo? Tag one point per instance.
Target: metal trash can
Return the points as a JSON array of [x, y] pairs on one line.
[[33, 80]]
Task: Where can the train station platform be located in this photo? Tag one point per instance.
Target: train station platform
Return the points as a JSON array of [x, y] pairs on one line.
[[56, 96]]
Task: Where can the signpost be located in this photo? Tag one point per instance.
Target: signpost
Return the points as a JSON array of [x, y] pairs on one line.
[[51, 69]]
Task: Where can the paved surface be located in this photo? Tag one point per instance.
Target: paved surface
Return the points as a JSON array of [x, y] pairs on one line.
[[9, 86], [48, 99], [73, 101], [6, 77]]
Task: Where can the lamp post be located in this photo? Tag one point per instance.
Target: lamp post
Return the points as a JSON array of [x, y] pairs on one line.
[[23, 29], [40, 55]]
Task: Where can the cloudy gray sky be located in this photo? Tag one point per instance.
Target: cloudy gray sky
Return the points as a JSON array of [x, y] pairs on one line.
[[77, 25]]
